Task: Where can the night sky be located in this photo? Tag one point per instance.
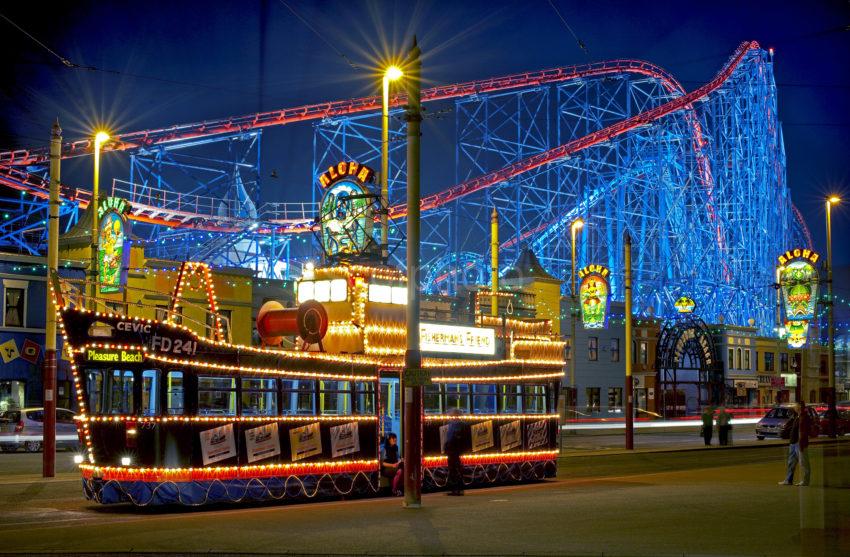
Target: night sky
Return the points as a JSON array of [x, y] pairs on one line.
[[176, 62]]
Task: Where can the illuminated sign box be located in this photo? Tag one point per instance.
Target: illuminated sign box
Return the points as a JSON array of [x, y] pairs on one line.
[[103, 355], [455, 339]]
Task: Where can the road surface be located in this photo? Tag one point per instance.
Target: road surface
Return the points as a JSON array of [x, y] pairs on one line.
[[694, 502]]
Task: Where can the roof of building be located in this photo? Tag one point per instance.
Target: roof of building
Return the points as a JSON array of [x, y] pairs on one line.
[[527, 267]]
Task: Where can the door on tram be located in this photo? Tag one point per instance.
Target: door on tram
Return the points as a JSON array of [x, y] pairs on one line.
[[390, 405]]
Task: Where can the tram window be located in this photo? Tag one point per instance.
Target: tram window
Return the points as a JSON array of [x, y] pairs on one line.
[[216, 396], [510, 399], [174, 393], [432, 401], [457, 397], [334, 398], [94, 388], [259, 397], [120, 393], [298, 397], [150, 392], [483, 399], [364, 392], [535, 399]]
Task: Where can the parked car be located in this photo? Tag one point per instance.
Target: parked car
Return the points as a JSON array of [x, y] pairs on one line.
[[777, 422], [842, 421], [24, 428]]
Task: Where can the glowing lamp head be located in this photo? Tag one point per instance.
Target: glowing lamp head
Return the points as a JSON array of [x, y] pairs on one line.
[[393, 73], [577, 224], [125, 461], [833, 200], [101, 137], [78, 459]]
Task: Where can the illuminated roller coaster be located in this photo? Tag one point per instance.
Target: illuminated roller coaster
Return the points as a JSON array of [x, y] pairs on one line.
[[696, 178]]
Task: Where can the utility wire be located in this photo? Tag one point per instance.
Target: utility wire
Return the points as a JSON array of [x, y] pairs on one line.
[[75, 66], [322, 37], [581, 44], [62, 59]]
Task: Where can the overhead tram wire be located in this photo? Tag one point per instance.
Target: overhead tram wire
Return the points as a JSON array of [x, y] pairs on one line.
[[580, 43], [320, 36], [67, 63]]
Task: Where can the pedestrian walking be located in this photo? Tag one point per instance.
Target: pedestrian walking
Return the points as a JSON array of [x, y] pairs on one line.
[[707, 425], [454, 447], [798, 448], [724, 426]]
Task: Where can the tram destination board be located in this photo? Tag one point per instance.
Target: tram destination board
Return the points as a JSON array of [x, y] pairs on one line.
[[416, 377]]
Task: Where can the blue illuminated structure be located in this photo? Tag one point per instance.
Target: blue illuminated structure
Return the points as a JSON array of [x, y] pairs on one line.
[[696, 178]]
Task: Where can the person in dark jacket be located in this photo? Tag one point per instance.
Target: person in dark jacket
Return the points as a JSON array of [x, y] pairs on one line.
[[391, 464], [454, 448], [798, 448], [707, 425]]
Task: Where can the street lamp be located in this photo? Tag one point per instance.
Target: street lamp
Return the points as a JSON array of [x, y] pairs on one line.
[[830, 201], [576, 225], [393, 73], [100, 138]]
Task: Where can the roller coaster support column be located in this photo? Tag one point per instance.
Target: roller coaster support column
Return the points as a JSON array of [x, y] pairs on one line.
[[48, 457], [630, 386], [413, 373]]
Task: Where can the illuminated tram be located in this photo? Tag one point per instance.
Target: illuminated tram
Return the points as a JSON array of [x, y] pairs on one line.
[[167, 416]]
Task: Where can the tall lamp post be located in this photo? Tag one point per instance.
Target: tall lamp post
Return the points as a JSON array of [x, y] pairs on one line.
[[831, 200], [48, 460], [576, 225], [100, 138], [630, 386], [391, 74], [412, 380]]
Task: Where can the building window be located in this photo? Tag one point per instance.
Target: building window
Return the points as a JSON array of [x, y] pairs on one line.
[[615, 350], [731, 362], [15, 307], [768, 361], [747, 359], [783, 361], [615, 398], [162, 314], [224, 315], [592, 394], [592, 348], [644, 352], [738, 359], [119, 308]]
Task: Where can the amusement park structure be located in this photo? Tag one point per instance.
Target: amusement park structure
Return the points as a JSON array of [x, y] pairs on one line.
[[697, 179]]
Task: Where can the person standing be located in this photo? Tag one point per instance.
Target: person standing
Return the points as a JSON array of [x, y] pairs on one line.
[[454, 448], [798, 448], [724, 426], [707, 425]]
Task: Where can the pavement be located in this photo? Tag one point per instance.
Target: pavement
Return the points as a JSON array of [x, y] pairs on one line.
[[689, 501]]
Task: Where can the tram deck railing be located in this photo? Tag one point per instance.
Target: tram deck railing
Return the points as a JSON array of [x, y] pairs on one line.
[[76, 293]]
